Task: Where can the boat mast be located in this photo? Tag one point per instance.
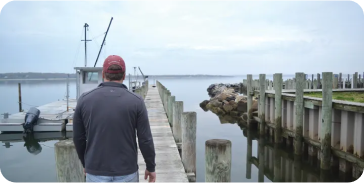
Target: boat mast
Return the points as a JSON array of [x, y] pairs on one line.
[[102, 44], [86, 28]]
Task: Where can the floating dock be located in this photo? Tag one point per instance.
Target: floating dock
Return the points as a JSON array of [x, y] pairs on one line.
[[54, 117]]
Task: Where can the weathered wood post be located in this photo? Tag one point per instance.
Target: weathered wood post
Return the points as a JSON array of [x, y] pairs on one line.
[[299, 113], [177, 121], [250, 98], [335, 81], [249, 154], [170, 109], [218, 160], [341, 80], [20, 102], [189, 143], [262, 103], [278, 107], [326, 120], [166, 96], [318, 81], [69, 167], [355, 80]]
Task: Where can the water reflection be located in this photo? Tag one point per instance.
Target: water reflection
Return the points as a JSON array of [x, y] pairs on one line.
[[279, 164], [32, 141]]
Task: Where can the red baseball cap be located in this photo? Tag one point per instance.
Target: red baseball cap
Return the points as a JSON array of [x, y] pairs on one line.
[[114, 60]]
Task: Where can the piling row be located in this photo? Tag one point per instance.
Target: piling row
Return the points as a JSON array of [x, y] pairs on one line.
[[329, 129], [183, 126]]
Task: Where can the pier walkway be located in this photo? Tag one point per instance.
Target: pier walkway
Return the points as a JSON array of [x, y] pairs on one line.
[[169, 167]]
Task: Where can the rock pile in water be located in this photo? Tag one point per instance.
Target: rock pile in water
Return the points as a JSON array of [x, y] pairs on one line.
[[226, 102]]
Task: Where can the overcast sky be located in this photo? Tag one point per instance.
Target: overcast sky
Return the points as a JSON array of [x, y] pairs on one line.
[[191, 37]]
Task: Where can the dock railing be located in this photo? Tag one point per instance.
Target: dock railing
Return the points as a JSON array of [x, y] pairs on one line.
[[183, 124]]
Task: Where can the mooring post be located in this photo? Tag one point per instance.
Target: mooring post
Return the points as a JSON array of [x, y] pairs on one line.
[[177, 122], [249, 154], [218, 160], [326, 120], [341, 80], [20, 102], [68, 166], [278, 107], [189, 143], [355, 80], [318, 81], [170, 108], [335, 81], [262, 103], [250, 97], [299, 112]]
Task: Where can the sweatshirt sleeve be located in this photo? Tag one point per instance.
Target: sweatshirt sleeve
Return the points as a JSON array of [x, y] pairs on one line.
[[79, 133], [145, 138]]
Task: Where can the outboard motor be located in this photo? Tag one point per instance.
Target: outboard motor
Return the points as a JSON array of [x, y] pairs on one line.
[[31, 119], [32, 144]]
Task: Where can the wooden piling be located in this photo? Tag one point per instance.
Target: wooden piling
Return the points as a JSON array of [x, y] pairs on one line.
[[20, 102], [326, 120], [188, 125], [177, 121], [170, 109], [355, 80], [341, 82], [277, 79], [299, 113], [335, 81], [218, 160], [262, 103], [318, 81], [250, 97], [68, 165]]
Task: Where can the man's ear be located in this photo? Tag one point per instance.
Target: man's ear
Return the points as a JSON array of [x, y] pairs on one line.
[[103, 75], [124, 75]]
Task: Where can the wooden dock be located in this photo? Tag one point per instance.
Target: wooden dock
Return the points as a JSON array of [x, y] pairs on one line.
[[169, 167]]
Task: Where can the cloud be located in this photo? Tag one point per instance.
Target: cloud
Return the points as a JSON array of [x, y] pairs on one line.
[[162, 36]]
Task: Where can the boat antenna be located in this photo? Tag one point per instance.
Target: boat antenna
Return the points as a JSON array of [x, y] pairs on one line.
[[103, 41], [86, 29]]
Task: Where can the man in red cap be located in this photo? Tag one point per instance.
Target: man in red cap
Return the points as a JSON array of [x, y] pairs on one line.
[[105, 125]]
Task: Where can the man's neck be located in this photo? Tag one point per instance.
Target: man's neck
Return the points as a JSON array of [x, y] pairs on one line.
[[121, 82]]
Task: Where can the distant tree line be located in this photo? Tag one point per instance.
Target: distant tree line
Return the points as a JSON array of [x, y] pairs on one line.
[[34, 75], [31, 75]]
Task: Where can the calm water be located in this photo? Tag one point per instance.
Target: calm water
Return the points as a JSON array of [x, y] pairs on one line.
[[19, 164]]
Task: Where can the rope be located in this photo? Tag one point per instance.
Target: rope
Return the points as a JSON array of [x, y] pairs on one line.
[[97, 45]]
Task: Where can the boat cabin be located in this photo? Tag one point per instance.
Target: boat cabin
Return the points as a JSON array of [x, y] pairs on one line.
[[87, 78]]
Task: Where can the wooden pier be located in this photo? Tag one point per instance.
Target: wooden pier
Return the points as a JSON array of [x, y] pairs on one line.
[[171, 165]]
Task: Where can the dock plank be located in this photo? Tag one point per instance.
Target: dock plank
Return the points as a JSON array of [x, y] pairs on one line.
[[169, 167]]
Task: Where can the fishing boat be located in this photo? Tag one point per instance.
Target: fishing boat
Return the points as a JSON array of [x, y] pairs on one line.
[[58, 115]]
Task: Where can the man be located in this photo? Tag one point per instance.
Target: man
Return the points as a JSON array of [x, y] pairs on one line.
[[105, 124]]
